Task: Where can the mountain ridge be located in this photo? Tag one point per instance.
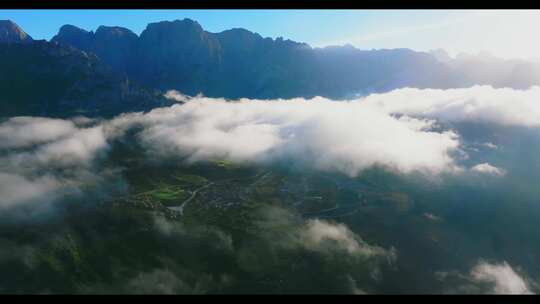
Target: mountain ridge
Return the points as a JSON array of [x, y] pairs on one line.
[[237, 63], [48, 79], [10, 32]]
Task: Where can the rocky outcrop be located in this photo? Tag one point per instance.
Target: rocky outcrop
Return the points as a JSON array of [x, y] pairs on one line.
[[48, 79], [238, 63], [12, 33]]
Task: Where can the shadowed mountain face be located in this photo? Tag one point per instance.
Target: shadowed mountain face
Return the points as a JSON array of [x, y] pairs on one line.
[[95, 71], [178, 54], [113, 44], [44, 78], [12, 33], [238, 63]]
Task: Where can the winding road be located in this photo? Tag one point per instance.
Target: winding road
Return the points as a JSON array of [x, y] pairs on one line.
[[193, 194]]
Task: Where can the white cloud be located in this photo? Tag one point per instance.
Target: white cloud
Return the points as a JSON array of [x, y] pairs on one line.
[[178, 96], [24, 131], [432, 217], [490, 145], [54, 160], [76, 149], [486, 168], [80, 147], [317, 232], [395, 129], [16, 189], [503, 278], [47, 140], [327, 135], [476, 104]]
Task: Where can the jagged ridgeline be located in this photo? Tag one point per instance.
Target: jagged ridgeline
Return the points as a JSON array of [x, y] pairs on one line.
[[238, 63], [48, 79], [114, 70]]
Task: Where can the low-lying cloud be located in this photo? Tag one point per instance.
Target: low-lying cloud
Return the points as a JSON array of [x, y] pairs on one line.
[[480, 104], [319, 233], [486, 168], [398, 130], [327, 135], [502, 277], [19, 189], [23, 131], [42, 159]]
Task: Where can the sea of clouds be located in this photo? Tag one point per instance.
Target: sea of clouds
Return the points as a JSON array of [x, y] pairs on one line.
[[399, 130], [405, 131]]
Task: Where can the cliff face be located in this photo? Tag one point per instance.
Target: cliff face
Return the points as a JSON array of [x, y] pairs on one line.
[[178, 54], [238, 63], [114, 45], [96, 72], [49, 79], [12, 33]]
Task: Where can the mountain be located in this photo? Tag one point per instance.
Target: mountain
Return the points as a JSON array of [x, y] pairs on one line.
[[49, 79], [12, 33], [238, 63], [114, 70], [113, 44]]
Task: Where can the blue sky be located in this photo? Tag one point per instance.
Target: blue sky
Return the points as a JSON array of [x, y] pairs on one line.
[[502, 33]]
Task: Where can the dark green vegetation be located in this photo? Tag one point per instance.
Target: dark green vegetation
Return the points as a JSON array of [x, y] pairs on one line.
[[237, 233], [217, 228]]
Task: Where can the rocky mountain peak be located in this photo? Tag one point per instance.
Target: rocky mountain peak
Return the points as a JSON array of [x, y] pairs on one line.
[[10, 32], [115, 31], [74, 36]]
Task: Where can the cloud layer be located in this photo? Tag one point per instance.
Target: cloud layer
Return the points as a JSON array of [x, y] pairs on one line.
[[398, 130], [42, 159], [481, 104], [501, 276], [22, 131], [338, 136], [317, 232], [488, 169]]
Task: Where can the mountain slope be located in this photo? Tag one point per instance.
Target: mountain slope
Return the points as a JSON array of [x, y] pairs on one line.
[[43, 78], [234, 63], [238, 63], [12, 33]]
